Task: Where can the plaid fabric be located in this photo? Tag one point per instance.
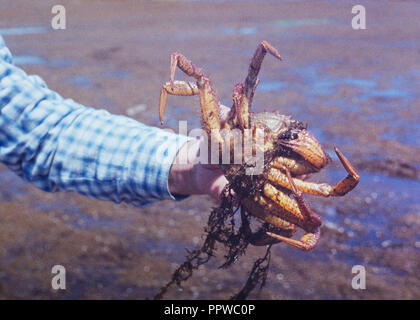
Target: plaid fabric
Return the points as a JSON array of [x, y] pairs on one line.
[[60, 145]]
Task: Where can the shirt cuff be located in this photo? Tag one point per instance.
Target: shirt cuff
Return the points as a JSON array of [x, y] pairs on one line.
[[173, 145]]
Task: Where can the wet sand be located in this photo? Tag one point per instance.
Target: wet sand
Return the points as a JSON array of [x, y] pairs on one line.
[[358, 90]]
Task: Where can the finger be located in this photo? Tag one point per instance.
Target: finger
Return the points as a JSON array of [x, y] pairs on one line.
[[218, 187]]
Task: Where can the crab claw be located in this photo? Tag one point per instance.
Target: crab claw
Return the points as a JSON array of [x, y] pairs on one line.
[[306, 243], [349, 182], [307, 146]]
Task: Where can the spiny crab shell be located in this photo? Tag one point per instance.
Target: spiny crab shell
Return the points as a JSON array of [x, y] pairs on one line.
[[279, 131]]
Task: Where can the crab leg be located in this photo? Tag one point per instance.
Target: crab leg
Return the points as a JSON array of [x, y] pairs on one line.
[[243, 92], [255, 65], [296, 167], [349, 182], [208, 99], [178, 88], [289, 207], [306, 243], [312, 222], [260, 238], [296, 210], [179, 60], [255, 238], [237, 97], [267, 211], [319, 189]]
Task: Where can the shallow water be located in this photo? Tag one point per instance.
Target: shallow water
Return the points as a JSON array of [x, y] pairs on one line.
[[24, 30]]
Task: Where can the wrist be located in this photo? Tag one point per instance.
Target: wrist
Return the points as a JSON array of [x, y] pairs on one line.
[[188, 176], [182, 175]]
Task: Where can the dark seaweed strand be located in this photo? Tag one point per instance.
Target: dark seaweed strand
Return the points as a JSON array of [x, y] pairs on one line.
[[257, 275], [259, 271], [216, 231], [235, 241]]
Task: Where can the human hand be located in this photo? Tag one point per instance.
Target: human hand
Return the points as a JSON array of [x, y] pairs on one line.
[[187, 176]]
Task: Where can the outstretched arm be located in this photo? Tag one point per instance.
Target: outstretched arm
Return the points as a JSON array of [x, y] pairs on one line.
[[60, 145]]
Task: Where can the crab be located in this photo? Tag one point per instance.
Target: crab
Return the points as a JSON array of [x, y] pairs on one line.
[[291, 152]]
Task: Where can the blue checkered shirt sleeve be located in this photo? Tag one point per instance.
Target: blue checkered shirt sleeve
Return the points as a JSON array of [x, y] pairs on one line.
[[60, 145]]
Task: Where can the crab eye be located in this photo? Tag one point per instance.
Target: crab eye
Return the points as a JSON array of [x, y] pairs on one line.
[[288, 135]]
